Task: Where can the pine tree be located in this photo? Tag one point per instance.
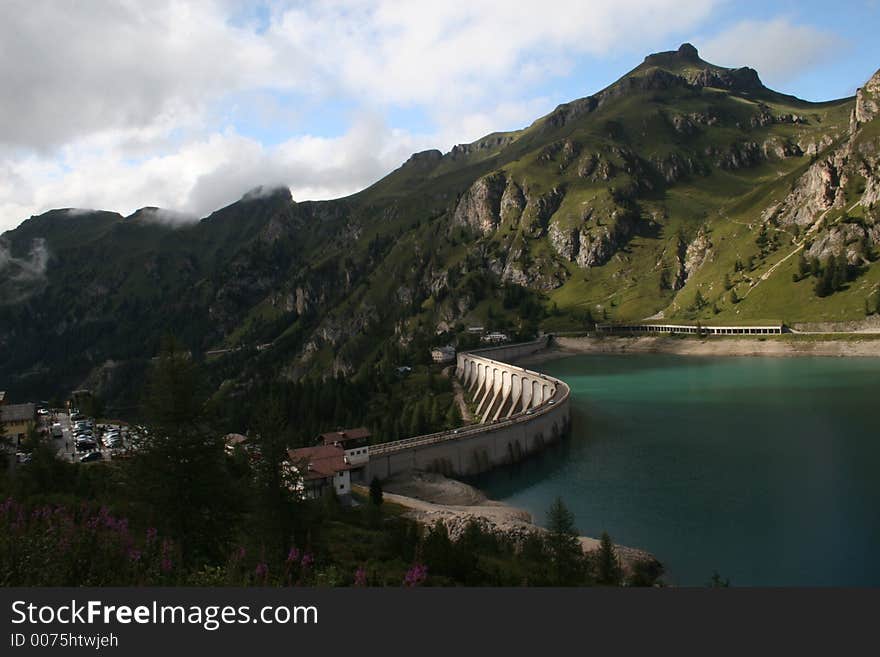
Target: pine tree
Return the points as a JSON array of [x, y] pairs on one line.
[[665, 283], [803, 265], [608, 570], [437, 549], [734, 299], [839, 272], [275, 497], [376, 494], [825, 283], [563, 545], [727, 283], [717, 582], [179, 469]]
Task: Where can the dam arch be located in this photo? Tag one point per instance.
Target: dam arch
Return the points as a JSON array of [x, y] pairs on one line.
[[514, 418]]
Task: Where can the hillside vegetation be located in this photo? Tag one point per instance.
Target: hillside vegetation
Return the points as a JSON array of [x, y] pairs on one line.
[[684, 190]]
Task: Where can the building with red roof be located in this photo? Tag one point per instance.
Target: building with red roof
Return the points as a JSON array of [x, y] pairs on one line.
[[355, 443], [322, 467]]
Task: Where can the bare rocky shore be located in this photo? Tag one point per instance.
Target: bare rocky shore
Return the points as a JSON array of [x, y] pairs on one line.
[[712, 346], [432, 497]]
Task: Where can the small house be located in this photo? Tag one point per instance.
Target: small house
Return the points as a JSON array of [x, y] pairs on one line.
[[17, 419], [443, 354], [321, 468]]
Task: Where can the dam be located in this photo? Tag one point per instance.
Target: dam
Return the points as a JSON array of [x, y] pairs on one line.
[[520, 411]]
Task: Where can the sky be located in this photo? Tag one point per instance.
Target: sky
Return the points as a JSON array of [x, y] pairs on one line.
[[187, 105]]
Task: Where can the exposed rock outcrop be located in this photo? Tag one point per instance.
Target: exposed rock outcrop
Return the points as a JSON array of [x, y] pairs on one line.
[[698, 252], [676, 166], [737, 156], [849, 239], [596, 239], [480, 206], [817, 191], [513, 202], [867, 102], [538, 210]]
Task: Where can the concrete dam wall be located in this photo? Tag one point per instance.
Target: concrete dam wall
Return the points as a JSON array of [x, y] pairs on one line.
[[521, 411]]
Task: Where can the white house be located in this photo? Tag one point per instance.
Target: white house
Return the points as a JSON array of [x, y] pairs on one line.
[[354, 442], [320, 468], [443, 354]]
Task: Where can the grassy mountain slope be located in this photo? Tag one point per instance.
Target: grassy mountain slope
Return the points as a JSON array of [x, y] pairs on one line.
[[683, 190]]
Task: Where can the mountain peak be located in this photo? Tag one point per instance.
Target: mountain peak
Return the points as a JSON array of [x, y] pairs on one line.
[[153, 214], [268, 191], [687, 54], [688, 51], [687, 65]]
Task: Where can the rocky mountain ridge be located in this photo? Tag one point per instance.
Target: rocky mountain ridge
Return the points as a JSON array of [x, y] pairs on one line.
[[684, 189]]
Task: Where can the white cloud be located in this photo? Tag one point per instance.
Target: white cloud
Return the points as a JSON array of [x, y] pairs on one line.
[[204, 174], [778, 49], [122, 104]]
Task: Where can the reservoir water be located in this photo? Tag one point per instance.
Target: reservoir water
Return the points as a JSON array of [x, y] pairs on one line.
[[766, 470]]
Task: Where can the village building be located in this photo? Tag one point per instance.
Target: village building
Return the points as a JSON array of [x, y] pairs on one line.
[[321, 468], [443, 354], [354, 442], [17, 420]]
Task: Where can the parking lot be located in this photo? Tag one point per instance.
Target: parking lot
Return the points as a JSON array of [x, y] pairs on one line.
[[83, 438]]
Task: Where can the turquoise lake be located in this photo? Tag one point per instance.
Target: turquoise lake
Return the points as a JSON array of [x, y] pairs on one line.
[[766, 470]]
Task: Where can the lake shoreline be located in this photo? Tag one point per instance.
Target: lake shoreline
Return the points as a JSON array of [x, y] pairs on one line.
[[711, 346], [430, 498]]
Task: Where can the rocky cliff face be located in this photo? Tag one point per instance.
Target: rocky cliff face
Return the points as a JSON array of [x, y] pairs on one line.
[[698, 252], [816, 192], [596, 238], [480, 207], [844, 181], [867, 102]]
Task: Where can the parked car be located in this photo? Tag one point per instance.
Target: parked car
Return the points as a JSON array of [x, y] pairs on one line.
[[57, 431], [91, 456], [85, 445]]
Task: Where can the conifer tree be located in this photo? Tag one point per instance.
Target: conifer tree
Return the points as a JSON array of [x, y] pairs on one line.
[[275, 497], [608, 570], [179, 470], [563, 546], [376, 495]]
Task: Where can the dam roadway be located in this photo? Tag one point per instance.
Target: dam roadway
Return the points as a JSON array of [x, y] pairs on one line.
[[521, 411]]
